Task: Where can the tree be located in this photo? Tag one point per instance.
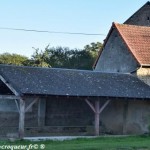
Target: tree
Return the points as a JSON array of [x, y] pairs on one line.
[[63, 57], [39, 59], [57, 57], [15, 59], [93, 48], [92, 51]]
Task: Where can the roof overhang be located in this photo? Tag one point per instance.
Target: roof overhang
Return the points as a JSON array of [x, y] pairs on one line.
[[145, 65]]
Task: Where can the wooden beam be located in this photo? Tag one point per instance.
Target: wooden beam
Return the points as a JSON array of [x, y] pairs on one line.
[[17, 105], [91, 105], [41, 112], [31, 104], [125, 112], [22, 106], [97, 111], [104, 105], [9, 86], [11, 97], [97, 117], [21, 118]]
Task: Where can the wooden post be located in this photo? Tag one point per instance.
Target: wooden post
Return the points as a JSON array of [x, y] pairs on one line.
[[41, 112], [125, 113], [97, 117], [21, 118], [97, 111]]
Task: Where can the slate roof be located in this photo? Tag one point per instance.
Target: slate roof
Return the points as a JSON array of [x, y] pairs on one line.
[[136, 38], [144, 8], [65, 82]]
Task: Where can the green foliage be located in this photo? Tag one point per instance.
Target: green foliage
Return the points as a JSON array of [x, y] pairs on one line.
[[93, 47], [15, 59], [57, 57], [39, 59], [63, 57]]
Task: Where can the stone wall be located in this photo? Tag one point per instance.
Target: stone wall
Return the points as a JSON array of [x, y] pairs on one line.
[[63, 116], [138, 117], [68, 112], [121, 116], [144, 75], [9, 115], [115, 56], [72, 116], [126, 117]]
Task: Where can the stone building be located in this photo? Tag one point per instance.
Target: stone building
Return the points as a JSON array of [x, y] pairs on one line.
[[126, 49], [141, 17]]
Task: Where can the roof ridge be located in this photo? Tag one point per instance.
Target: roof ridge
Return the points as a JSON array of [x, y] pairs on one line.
[[63, 69], [115, 23], [36, 67]]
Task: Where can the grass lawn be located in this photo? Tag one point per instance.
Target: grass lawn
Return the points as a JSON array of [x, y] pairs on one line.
[[101, 143]]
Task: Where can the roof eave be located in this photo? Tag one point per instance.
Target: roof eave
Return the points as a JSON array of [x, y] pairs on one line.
[[145, 65]]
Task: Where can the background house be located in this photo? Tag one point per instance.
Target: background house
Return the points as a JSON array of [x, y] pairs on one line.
[[141, 17], [126, 49]]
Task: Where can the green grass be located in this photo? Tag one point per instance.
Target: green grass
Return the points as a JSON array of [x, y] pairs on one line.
[[101, 143]]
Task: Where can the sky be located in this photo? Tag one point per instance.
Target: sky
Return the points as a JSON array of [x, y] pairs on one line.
[[76, 16]]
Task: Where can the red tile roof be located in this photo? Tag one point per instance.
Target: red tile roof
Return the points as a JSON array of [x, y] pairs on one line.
[[136, 38]]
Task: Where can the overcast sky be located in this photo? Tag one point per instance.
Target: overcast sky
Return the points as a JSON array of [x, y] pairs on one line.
[[86, 16]]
